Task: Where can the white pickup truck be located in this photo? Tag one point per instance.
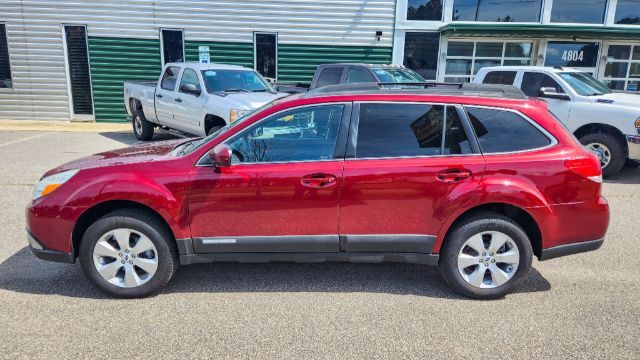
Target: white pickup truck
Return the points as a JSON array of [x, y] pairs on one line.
[[195, 98], [608, 123]]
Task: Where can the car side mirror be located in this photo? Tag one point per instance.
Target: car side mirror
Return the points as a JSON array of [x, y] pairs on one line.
[[190, 89], [221, 155], [551, 93]]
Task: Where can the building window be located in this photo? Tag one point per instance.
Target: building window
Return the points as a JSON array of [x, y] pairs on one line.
[[424, 10], [172, 46], [572, 54], [266, 54], [466, 58], [578, 11], [5, 66], [498, 11], [628, 12], [421, 52], [623, 67]]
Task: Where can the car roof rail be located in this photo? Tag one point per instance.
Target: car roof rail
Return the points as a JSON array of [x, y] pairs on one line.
[[425, 88]]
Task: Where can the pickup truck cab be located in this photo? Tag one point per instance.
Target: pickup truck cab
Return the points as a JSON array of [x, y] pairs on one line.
[[195, 98], [355, 73], [607, 123]]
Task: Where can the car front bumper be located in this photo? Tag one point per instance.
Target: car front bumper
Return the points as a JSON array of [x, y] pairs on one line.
[[633, 143], [43, 253]]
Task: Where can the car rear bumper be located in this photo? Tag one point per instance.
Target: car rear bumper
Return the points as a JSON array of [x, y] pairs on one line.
[[570, 249], [43, 253], [633, 143]]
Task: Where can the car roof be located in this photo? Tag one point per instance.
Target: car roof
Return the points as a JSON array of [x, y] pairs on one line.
[[540, 68], [208, 66], [440, 89]]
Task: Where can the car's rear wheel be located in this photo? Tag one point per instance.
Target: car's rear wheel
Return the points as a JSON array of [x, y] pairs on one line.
[[128, 253], [486, 256], [142, 129], [608, 149]]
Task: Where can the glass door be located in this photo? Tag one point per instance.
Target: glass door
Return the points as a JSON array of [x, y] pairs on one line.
[[622, 71]]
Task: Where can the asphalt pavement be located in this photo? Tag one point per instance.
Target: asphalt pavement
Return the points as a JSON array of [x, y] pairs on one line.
[[583, 306]]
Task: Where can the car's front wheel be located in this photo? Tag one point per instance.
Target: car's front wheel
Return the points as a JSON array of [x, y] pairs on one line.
[[608, 149], [486, 256], [128, 253]]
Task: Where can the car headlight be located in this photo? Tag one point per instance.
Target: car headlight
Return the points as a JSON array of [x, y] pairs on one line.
[[236, 114], [50, 183]]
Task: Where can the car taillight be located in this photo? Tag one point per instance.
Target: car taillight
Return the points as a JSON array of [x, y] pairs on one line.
[[586, 166]]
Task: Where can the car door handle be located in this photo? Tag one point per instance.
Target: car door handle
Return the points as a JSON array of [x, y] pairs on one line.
[[159, 95], [177, 100], [319, 180], [453, 175]]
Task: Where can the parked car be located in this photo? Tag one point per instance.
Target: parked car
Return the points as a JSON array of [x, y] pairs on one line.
[[195, 98], [475, 180], [607, 123], [354, 73]]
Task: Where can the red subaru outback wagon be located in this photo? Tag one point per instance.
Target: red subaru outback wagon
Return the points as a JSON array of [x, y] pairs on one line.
[[475, 179]]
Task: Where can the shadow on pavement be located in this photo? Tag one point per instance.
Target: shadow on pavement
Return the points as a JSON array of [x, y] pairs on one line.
[[127, 137], [24, 273], [630, 174]]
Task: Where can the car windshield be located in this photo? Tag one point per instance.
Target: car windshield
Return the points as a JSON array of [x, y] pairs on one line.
[[397, 75], [584, 84], [190, 146], [221, 81]]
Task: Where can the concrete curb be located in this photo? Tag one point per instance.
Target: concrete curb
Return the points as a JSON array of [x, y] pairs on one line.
[[31, 125]]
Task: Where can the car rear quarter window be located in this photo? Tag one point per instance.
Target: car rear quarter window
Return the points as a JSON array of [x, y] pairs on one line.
[[500, 77], [329, 76], [401, 130], [500, 131]]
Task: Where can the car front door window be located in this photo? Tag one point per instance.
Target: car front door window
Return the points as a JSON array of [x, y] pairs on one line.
[[306, 134]]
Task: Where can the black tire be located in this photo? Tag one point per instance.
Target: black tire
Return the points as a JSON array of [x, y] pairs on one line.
[[142, 129], [616, 149], [140, 221], [472, 225], [214, 129]]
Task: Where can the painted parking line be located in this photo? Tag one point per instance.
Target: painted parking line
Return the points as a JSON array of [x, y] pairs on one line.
[[24, 139]]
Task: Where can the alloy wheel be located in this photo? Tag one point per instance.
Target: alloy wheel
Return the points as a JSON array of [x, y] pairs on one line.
[[138, 124], [602, 152], [488, 259], [125, 258]]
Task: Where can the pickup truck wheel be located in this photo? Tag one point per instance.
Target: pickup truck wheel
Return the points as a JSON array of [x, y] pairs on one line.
[[608, 150], [128, 254], [486, 256], [142, 129]]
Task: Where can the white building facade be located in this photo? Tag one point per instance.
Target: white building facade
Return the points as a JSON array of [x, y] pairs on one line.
[[450, 40]]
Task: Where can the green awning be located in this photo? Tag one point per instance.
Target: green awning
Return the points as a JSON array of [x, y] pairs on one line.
[[540, 31]]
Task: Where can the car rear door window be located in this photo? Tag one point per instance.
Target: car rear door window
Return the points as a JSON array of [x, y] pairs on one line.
[[306, 134], [500, 77], [500, 131], [170, 78], [329, 76], [532, 82], [400, 130]]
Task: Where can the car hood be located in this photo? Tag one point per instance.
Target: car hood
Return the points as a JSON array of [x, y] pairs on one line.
[[622, 99], [250, 101], [135, 154]]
